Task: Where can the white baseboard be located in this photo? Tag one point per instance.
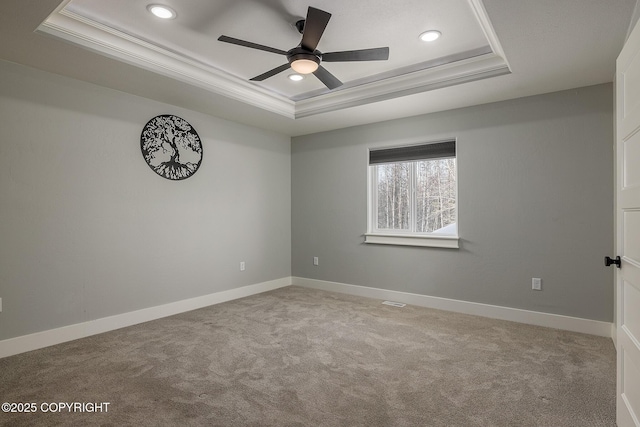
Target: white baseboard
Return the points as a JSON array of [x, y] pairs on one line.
[[12, 346], [575, 324], [17, 345]]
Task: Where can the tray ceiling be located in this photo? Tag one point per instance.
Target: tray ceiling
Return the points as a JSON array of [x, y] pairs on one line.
[[544, 46], [186, 48]]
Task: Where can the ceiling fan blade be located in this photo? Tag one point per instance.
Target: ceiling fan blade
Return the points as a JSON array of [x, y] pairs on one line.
[[314, 26], [327, 78], [270, 73], [375, 54], [244, 43]]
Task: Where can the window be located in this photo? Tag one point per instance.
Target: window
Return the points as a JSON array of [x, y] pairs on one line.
[[413, 195]]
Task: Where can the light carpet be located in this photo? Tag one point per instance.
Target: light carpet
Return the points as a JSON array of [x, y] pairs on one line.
[[302, 357]]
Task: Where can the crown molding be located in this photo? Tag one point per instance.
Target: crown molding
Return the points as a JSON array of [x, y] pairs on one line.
[[463, 71], [108, 41], [483, 19], [116, 44]]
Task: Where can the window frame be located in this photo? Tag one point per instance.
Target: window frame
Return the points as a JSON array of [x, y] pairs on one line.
[[406, 237]]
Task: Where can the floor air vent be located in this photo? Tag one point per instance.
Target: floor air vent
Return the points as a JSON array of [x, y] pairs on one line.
[[393, 303]]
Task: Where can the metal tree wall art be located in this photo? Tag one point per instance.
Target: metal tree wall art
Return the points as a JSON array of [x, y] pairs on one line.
[[171, 147]]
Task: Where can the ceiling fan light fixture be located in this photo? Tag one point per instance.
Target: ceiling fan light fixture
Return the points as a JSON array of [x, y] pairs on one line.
[[304, 65], [163, 12], [431, 35]]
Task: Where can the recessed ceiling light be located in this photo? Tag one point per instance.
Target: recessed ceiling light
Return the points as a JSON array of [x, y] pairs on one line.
[[160, 11], [295, 77], [431, 35]]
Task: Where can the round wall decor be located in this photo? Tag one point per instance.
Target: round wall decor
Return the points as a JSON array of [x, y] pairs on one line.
[[171, 147]]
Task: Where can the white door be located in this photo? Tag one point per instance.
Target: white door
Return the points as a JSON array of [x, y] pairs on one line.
[[628, 230]]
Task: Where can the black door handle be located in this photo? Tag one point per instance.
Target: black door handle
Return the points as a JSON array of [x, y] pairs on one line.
[[608, 261]]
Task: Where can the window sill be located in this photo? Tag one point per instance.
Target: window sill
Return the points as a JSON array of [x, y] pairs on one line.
[[433, 240]]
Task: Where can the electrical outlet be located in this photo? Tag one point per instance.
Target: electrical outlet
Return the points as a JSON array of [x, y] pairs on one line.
[[241, 265], [536, 284], [315, 260]]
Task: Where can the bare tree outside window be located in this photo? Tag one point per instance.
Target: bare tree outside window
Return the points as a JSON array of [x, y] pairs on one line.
[[394, 181], [418, 196], [435, 194]]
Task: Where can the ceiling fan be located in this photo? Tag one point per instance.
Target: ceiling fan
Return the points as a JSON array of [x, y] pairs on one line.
[[305, 58]]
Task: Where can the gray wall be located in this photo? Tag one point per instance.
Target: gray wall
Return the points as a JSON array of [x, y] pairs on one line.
[[87, 230], [535, 180], [634, 19]]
